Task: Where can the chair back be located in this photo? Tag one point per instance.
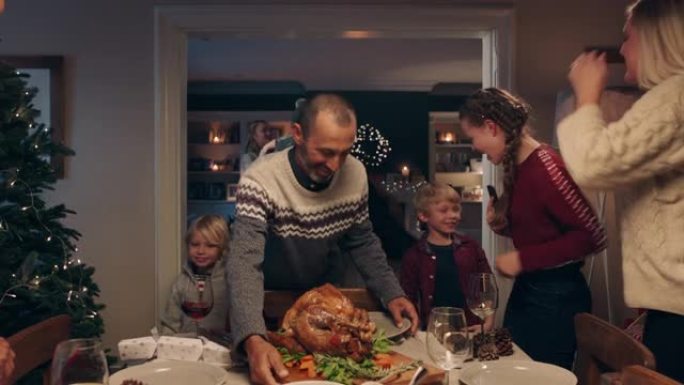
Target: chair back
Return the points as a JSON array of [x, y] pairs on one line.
[[602, 347], [35, 345], [278, 302], [639, 375]]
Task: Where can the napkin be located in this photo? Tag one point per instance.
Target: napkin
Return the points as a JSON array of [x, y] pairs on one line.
[[137, 348], [177, 348], [214, 353]]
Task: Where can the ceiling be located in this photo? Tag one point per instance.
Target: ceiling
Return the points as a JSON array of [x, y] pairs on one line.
[[337, 63]]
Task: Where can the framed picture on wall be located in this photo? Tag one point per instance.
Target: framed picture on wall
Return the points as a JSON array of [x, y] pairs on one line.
[[46, 73], [231, 192]]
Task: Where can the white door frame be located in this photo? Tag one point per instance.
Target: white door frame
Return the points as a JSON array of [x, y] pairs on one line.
[[174, 23]]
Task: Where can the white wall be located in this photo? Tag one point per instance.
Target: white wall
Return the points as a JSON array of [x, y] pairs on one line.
[[108, 46], [110, 119]]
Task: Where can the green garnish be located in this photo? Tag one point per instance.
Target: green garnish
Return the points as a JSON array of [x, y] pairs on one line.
[[381, 344], [290, 356], [345, 369]]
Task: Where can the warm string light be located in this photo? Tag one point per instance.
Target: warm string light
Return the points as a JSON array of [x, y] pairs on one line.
[[370, 146], [35, 282], [401, 186]]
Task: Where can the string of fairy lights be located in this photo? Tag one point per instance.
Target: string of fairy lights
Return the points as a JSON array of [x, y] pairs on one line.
[[402, 186], [370, 146], [73, 295]]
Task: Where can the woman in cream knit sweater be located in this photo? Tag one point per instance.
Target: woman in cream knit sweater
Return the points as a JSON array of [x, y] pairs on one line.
[[642, 157]]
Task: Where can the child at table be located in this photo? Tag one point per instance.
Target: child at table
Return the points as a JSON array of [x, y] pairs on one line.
[[435, 271], [207, 245]]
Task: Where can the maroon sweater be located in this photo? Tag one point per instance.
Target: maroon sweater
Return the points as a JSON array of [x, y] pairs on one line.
[[418, 271], [550, 221]]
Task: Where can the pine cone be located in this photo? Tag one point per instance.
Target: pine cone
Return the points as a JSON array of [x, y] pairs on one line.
[[488, 352], [478, 341], [504, 342]]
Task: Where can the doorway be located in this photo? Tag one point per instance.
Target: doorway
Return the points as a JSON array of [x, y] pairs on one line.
[[175, 24]]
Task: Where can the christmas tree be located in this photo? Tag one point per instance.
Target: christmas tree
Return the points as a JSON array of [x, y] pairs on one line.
[[41, 274]]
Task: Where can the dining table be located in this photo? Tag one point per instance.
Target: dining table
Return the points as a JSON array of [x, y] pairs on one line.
[[412, 347]]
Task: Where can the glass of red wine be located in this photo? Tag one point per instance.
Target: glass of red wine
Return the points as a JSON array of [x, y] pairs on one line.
[[79, 362], [198, 299]]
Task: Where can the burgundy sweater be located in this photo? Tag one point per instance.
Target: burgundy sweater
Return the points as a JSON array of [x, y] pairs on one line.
[[550, 221], [418, 271]]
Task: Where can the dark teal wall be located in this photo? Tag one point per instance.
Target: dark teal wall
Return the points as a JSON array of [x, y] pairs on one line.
[[402, 117]]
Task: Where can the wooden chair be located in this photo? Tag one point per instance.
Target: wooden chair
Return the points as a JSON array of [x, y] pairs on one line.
[[35, 345], [602, 347], [639, 375], [277, 302]]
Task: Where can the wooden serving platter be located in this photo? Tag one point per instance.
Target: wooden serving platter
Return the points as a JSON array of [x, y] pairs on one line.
[[434, 375]]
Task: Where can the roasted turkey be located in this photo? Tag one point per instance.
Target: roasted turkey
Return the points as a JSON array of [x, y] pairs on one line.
[[323, 320]]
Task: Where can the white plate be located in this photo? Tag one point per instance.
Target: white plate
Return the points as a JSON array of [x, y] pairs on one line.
[[510, 372], [385, 322], [313, 382], [167, 372]]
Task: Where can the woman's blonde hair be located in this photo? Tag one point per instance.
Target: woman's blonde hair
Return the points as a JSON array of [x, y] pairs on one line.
[[660, 27], [213, 228], [435, 192]]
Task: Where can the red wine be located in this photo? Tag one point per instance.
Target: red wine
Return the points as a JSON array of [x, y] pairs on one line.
[[196, 310]]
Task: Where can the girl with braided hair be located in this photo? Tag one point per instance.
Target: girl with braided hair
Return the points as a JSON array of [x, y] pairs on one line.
[[552, 226]]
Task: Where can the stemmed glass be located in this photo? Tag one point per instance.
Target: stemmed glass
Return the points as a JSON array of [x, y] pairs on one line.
[[482, 296], [447, 338], [79, 362], [198, 299]]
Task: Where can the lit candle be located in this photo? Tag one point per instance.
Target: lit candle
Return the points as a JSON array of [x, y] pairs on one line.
[[214, 166], [216, 139], [405, 171], [449, 137]]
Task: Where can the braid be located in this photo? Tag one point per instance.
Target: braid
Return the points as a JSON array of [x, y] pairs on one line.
[[509, 165], [510, 113]]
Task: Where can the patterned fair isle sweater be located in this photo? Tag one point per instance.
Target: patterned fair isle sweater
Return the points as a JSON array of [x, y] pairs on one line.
[[284, 235], [641, 157]]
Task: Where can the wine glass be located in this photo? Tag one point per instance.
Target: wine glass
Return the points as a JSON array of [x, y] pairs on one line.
[[447, 338], [482, 296], [197, 299], [79, 362]]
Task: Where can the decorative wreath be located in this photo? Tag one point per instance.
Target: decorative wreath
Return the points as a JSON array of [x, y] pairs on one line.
[[370, 146]]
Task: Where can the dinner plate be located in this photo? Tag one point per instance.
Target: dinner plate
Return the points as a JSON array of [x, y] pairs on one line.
[[385, 322], [168, 372], [313, 382], [511, 372]]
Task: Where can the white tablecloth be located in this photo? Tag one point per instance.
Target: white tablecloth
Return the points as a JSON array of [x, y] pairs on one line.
[[413, 347]]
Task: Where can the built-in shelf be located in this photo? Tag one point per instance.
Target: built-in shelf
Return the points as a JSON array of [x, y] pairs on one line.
[[211, 200], [453, 145], [225, 145], [213, 172]]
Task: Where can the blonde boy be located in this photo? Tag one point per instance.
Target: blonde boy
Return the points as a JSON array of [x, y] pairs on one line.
[[435, 271]]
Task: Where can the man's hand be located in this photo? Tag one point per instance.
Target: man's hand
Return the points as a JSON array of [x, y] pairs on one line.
[[588, 76], [509, 263], [6, 362], [264, 361], [400, 307]]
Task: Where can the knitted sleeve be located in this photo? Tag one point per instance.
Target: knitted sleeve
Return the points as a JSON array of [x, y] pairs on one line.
[[581, 231], [245, 278], [648, 141], [365, 250]]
